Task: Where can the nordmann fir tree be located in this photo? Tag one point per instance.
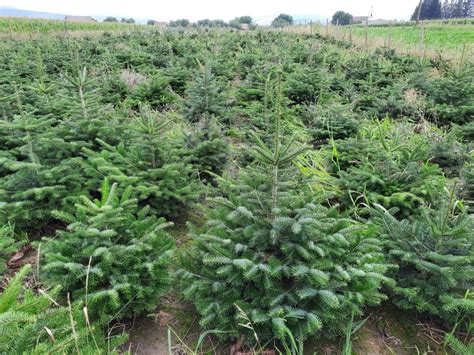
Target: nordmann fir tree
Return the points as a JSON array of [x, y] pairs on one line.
[[40, 93], [204, 96], [208, 149], [270, 252], [33, 180], [434, 254], [113, 255], [88, 119], [148, 160]]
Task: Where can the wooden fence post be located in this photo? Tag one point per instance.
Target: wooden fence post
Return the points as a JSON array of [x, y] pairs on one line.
[[10, 28], [390, 34], [350, 32], [419, 11], [366, 34], [422, 37], [327, 27], [311, 28]]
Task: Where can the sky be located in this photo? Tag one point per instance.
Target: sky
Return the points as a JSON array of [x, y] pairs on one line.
[[217, 9]]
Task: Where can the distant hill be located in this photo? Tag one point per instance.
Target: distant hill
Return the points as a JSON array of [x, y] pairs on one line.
[[12, 12]]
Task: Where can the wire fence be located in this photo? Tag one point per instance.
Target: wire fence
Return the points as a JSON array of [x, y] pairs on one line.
[[449, 39]]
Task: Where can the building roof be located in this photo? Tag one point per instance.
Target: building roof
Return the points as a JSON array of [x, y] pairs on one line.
[[360, 18], [80, 19], [381, 22]]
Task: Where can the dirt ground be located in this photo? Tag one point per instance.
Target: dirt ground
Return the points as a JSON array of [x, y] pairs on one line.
[[388, 331]]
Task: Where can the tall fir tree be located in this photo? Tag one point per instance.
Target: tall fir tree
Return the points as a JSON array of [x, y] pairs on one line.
[[467, 8], [446, 9], [457, 8], [430, 10]]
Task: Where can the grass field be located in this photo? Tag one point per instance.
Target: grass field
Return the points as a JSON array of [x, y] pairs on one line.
[[437, 36], [452, 40]]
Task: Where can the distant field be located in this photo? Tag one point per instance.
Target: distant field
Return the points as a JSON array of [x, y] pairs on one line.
[[437, 36], [10, 26], [452, 39]]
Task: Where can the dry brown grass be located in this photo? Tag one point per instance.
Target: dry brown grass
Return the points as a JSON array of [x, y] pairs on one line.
[[132, 79]]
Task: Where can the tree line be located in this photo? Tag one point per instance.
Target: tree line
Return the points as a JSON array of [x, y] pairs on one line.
[[281, 20], [433, 9], [430, 10]]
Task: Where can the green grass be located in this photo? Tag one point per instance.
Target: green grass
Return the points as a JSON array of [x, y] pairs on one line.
[[437, 36]]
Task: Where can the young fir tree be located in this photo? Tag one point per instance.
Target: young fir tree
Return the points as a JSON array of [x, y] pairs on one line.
[[87, 119], [204, 96], [388, 165], [40, 144], [452, 96], [112, 255], [208, 149], [33, 179], [149, 161], [326, 122], [35, 324], [434, 254], [269, 252]]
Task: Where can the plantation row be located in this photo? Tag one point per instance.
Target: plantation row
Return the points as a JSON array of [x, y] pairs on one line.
[[320, 180]]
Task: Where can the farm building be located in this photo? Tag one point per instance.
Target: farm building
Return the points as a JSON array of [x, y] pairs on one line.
[[80, 19], [381, 22], [360, 19]]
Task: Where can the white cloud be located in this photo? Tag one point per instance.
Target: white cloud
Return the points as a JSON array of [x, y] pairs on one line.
[[226, 10]]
